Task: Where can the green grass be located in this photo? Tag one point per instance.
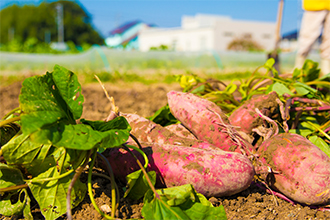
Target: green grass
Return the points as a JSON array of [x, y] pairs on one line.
[[146, 77], [8, 80], [127, 77], [158, 77]]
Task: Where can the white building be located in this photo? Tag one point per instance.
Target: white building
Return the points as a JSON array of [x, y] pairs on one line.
[[208, 32]]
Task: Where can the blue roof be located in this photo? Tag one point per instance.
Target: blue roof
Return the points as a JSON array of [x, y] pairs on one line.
[[122, 28]]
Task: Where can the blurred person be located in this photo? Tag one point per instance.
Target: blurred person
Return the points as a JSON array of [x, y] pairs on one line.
[[316, 16]]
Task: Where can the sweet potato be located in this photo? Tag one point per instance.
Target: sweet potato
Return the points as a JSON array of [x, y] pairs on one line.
[[148, 131], [206, 121], [246, 118], [211, 172], [301, 171], [180, 130]]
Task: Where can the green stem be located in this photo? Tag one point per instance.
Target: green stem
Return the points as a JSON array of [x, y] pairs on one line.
[[10, 120], [12, 188], [102, 175], [142, 153], [50, 179], [318, 83], [325, 125], [11, 112], [319, 129], [136, 140], [90, 191], [114, 187], [143, 170]]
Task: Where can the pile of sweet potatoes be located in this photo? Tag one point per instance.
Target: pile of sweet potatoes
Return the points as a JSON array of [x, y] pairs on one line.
[[211, 152]]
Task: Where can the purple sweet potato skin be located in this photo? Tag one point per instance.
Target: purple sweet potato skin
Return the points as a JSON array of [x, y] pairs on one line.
[[201, 117], [211, 172], [246, 118], [303, 169]]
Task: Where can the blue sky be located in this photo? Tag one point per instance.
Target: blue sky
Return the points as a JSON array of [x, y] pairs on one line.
[[108, 14]]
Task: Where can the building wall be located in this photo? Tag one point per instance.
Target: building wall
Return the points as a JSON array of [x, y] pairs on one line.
[[261, 32], [207, 32], [197, 39]]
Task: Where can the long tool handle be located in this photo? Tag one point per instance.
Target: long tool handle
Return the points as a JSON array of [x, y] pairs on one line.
[[279, 24]]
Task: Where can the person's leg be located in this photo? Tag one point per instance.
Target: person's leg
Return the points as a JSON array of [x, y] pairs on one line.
[[325, 47], [311, 26]]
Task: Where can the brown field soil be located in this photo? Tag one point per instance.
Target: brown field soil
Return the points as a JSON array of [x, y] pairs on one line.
[[252, 203]]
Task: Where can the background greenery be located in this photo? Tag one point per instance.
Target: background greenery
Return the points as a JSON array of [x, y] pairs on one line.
[[25, 28]]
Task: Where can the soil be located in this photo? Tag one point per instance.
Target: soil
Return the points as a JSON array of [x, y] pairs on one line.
[[252, 203]]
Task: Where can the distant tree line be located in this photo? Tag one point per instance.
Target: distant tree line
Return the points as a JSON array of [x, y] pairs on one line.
[[38, 23]]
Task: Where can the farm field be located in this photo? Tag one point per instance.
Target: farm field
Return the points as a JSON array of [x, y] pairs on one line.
[[144, 100]]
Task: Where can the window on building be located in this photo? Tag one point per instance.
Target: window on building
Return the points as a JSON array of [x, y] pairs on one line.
[[247, 35]]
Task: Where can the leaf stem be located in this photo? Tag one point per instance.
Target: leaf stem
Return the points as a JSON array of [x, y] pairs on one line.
[[142, 153], [319, 129], [51, 178], [325, 83], [11, 112], [12, 188], [74, 179], [114, 187], [136, 140], [10, 120], [143, 170], [89, 187]]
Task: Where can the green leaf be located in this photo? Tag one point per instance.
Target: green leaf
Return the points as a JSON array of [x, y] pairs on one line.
[[21, 151], [199, 89], [45, 100], [138, 185], [163, 116], [7, 132], [231, 88], [10, 176], [281, 89], [14, 203], [321, 144], [70, 90], [38, 104], [296, 73], [27, 208], [310, 71], [270, 63], [181, 202], [51, 195], [186, 82], [119, 123], [303, 89], [80, 137], [302, 132]]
